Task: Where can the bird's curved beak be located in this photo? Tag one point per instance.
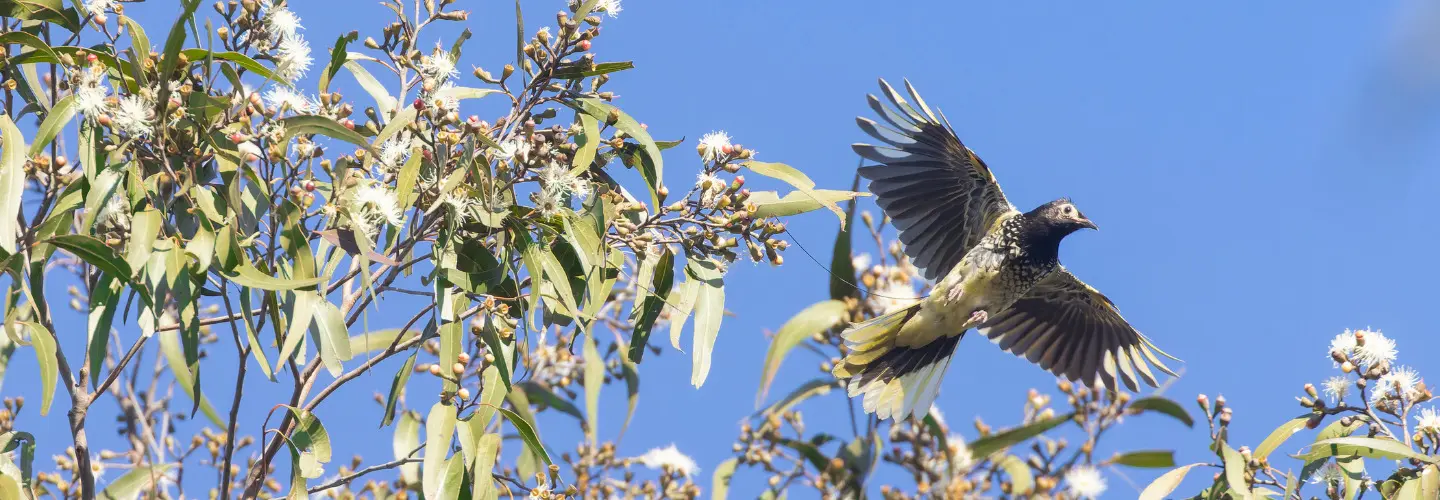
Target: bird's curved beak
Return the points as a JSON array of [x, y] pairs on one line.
[[1086, 223]]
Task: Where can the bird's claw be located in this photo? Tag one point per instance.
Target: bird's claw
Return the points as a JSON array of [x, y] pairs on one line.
[[979, 317]]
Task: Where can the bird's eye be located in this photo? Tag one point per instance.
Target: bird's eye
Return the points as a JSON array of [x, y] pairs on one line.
[[1069, 210]]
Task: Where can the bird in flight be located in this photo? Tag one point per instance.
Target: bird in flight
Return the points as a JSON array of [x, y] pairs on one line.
[[996, 269]]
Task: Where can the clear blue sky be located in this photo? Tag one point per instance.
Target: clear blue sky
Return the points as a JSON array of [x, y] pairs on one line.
[[1261, 174]]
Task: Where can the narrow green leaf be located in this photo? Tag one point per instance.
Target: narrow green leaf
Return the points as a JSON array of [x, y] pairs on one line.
[[405, 183], [298, 318], [138, 480], [1161, 487], [1235, 471], [439, 430], [547, 398], [491, 397], [632, 391], [488, 451], [1147, 458], [310, 438], [337, 58], [12, 183], [527, 434], [651, 164], [54, 122], [312, 124], [1022, 481], [406, 440], [44, 344], [170, 58], [104, 298], [662, 279], [686, 292], [594, 380], [490, 334], [582, 70], [587, 142], [144, 228], [709, 310], [246, 275], [1165, 406], [384, 103], [721, 481], [334, 339], [1364, 447], [175, 357], [988, 445], [1279, 435], [842, 263], [397, 387], [815, 319], [770, 204]]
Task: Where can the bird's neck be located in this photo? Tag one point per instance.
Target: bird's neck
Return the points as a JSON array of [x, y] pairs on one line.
[[1040, 239]]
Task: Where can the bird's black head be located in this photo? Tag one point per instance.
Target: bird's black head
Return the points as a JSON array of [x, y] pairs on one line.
[[1060, 216]]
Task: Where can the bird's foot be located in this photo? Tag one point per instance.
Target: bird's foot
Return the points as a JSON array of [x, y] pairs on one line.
[[979, 317], [954, 293]]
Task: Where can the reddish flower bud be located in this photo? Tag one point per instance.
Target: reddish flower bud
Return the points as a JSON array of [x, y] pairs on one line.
[[419, 104], [584, 45]]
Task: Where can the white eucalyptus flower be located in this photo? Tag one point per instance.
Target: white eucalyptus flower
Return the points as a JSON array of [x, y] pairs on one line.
[[670, 458], [135, 116], [292, 59], [281, 96], [1428, 420], [1084, 481], [713, 144], [1336, 388], [611, 7]]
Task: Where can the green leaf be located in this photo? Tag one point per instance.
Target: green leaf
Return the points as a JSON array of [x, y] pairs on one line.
[[1022, 481], [709, 310], [312, 124], [488, 451], [1147, 458], [170, 58], [175, 357], [329, 327], [1363, 447], [815, 319], [492, 395], [632, 391], [439, 429], [104, 298], [95, 253], [544, 396], [1279, 435], [55, 121], [12, 183], [842, 263], [1165, 406], [587, 142], [298, 316], [1161, 487], [309, 437], [338, 56], [138, 480], [582, 70], [384, 103], [721, 481], [463, 93], [44, 343], [687, 292], [49, 11], [527, 434], [988, 445], [662, 279], [594, 379], [406, 440], [490, 333], [770, 204], [405, 183], [650, 164], [1235, 470], [397, 387], [144, 228], [247, 276], [239, 59]]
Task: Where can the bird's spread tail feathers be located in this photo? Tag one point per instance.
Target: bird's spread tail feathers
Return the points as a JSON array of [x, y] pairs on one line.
[[897, 381]]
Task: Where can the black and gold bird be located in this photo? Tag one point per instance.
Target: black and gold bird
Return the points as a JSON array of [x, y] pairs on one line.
[[997, 271]]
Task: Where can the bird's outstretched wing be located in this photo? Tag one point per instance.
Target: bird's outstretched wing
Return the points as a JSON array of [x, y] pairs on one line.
[[1074, 331], [938, 194]]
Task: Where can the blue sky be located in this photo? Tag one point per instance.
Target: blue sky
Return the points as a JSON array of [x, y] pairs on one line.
[[1261, 174]]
